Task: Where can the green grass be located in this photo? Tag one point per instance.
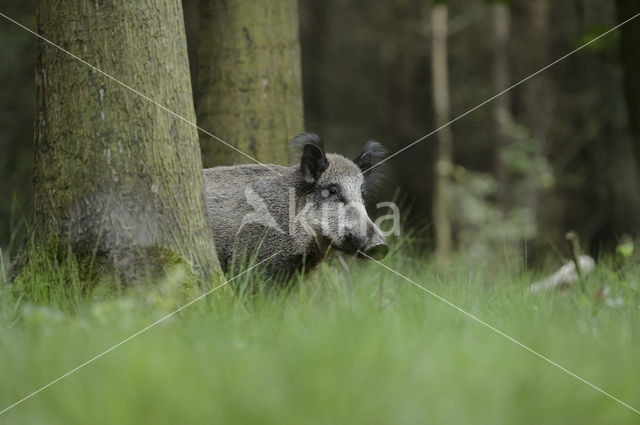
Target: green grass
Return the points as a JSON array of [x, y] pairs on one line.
[[387, 353]]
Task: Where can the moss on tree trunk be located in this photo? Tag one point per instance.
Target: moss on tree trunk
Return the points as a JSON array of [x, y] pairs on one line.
[[113, 171], [249, 80]]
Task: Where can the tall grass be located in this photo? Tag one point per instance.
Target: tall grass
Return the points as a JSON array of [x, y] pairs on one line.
[[376, 351]]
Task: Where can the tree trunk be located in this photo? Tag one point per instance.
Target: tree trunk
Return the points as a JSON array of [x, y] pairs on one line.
[[114, 173], [538, 90], [501, 20], [249, 79], [440, 81], [403, 68], [629, 38], [547, 202]]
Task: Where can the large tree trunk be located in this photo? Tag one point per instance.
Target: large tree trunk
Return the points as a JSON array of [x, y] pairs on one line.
[[440, 80], [501, 20], [115, 173], [629, 39], [249, 79]]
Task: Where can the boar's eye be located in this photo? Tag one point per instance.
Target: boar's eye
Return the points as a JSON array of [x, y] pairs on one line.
[[332, 193]]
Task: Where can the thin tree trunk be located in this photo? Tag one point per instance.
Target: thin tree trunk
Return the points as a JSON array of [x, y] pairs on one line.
[[629, 38], [539, 106], [249, 79], [440, 80], [113, 172], [501, 20], [539, 91], [404, 66]]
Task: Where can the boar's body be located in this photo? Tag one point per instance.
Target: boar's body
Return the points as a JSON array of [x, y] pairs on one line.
[[237, 200]]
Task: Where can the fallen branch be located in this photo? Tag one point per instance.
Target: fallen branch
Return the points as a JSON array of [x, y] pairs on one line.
[[567, 274], [574, 248]]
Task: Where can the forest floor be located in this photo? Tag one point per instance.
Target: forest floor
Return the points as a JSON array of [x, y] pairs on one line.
[[385, 352]]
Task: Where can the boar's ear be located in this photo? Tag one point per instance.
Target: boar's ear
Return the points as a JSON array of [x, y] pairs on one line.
[[313, 160], [371, 155], [312, 163]]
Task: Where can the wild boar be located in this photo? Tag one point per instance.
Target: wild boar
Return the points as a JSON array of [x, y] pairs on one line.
[[296, 214]]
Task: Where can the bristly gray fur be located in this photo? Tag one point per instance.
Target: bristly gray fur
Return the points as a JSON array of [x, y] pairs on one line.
[[233, 193]]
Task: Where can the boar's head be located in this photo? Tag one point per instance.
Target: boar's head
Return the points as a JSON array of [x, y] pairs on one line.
[[335, 189]]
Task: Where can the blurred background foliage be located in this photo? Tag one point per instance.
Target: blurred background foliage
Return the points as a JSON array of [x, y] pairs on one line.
[[366, 75]]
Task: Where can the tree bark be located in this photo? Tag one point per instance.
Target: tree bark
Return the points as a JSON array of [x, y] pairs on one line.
[[249, 79], [629, 37], [440, 81], [114, 173], [501, 22]]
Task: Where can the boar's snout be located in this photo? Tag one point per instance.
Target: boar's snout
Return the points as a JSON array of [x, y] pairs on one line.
[[377, 248]]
